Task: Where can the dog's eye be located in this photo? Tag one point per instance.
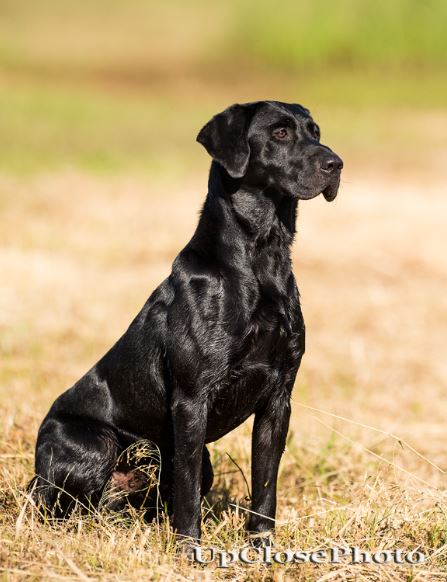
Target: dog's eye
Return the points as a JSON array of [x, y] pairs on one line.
[[314, 130], [281, 133]]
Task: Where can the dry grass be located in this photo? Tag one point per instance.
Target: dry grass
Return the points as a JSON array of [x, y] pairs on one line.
[[78, 257]]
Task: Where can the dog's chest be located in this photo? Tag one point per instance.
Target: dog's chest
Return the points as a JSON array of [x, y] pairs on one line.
[[265, 359]]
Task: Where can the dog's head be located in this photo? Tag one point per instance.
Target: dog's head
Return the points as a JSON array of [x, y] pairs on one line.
[[270, 144]]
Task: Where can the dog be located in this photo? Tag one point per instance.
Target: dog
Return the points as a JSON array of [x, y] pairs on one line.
[[219, 340]]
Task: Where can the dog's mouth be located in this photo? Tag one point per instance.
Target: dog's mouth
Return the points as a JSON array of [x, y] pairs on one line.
[[331, 191]]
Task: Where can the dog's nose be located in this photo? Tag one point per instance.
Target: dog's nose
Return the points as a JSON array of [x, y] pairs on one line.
[[331, 163]]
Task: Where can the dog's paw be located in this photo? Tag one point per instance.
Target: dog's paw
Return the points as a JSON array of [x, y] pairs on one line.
[[186, 548], [261, 539]]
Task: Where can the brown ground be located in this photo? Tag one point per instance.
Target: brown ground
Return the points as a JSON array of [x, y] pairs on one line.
[[78, 257]]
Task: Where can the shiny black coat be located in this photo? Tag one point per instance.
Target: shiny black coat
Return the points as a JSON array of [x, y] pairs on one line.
[[219, 340]]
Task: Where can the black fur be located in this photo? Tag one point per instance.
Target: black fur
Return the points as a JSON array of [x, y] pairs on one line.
[[219, 340]]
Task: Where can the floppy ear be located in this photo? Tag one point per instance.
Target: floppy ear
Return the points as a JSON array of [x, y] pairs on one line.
[[225, 138]]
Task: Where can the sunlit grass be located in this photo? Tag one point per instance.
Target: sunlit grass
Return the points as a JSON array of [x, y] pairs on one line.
[[100, 186], [365, 458]]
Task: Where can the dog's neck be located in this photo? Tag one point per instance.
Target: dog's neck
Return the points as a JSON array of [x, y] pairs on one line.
[[261, 214], [247, 230]]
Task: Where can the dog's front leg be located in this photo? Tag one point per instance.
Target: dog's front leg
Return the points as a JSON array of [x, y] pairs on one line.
[[268, 442], [189, 420]]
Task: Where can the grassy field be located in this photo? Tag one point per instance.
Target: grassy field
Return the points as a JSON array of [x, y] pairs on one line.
[[100, 187], [81, 252], [116, 36]]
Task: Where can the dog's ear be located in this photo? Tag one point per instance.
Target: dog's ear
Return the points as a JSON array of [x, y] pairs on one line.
[[225, 138]]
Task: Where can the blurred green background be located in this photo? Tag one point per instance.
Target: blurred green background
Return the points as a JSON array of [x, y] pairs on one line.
[[110, 86]]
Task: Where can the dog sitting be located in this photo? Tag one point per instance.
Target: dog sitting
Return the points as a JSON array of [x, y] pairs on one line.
[[219, 340]]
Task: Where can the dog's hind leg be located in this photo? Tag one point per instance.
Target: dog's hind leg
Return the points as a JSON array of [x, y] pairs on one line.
[[207, 473], [75, 458]]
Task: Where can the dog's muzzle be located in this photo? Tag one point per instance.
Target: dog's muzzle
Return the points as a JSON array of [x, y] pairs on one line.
[[331, 165]]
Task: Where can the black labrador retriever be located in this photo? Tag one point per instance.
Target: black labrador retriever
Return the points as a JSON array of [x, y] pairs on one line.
[[219, 340]]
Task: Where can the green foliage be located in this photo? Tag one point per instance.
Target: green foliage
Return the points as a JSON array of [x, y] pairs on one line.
[[255, 32], [113, 86], [347, 32]]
